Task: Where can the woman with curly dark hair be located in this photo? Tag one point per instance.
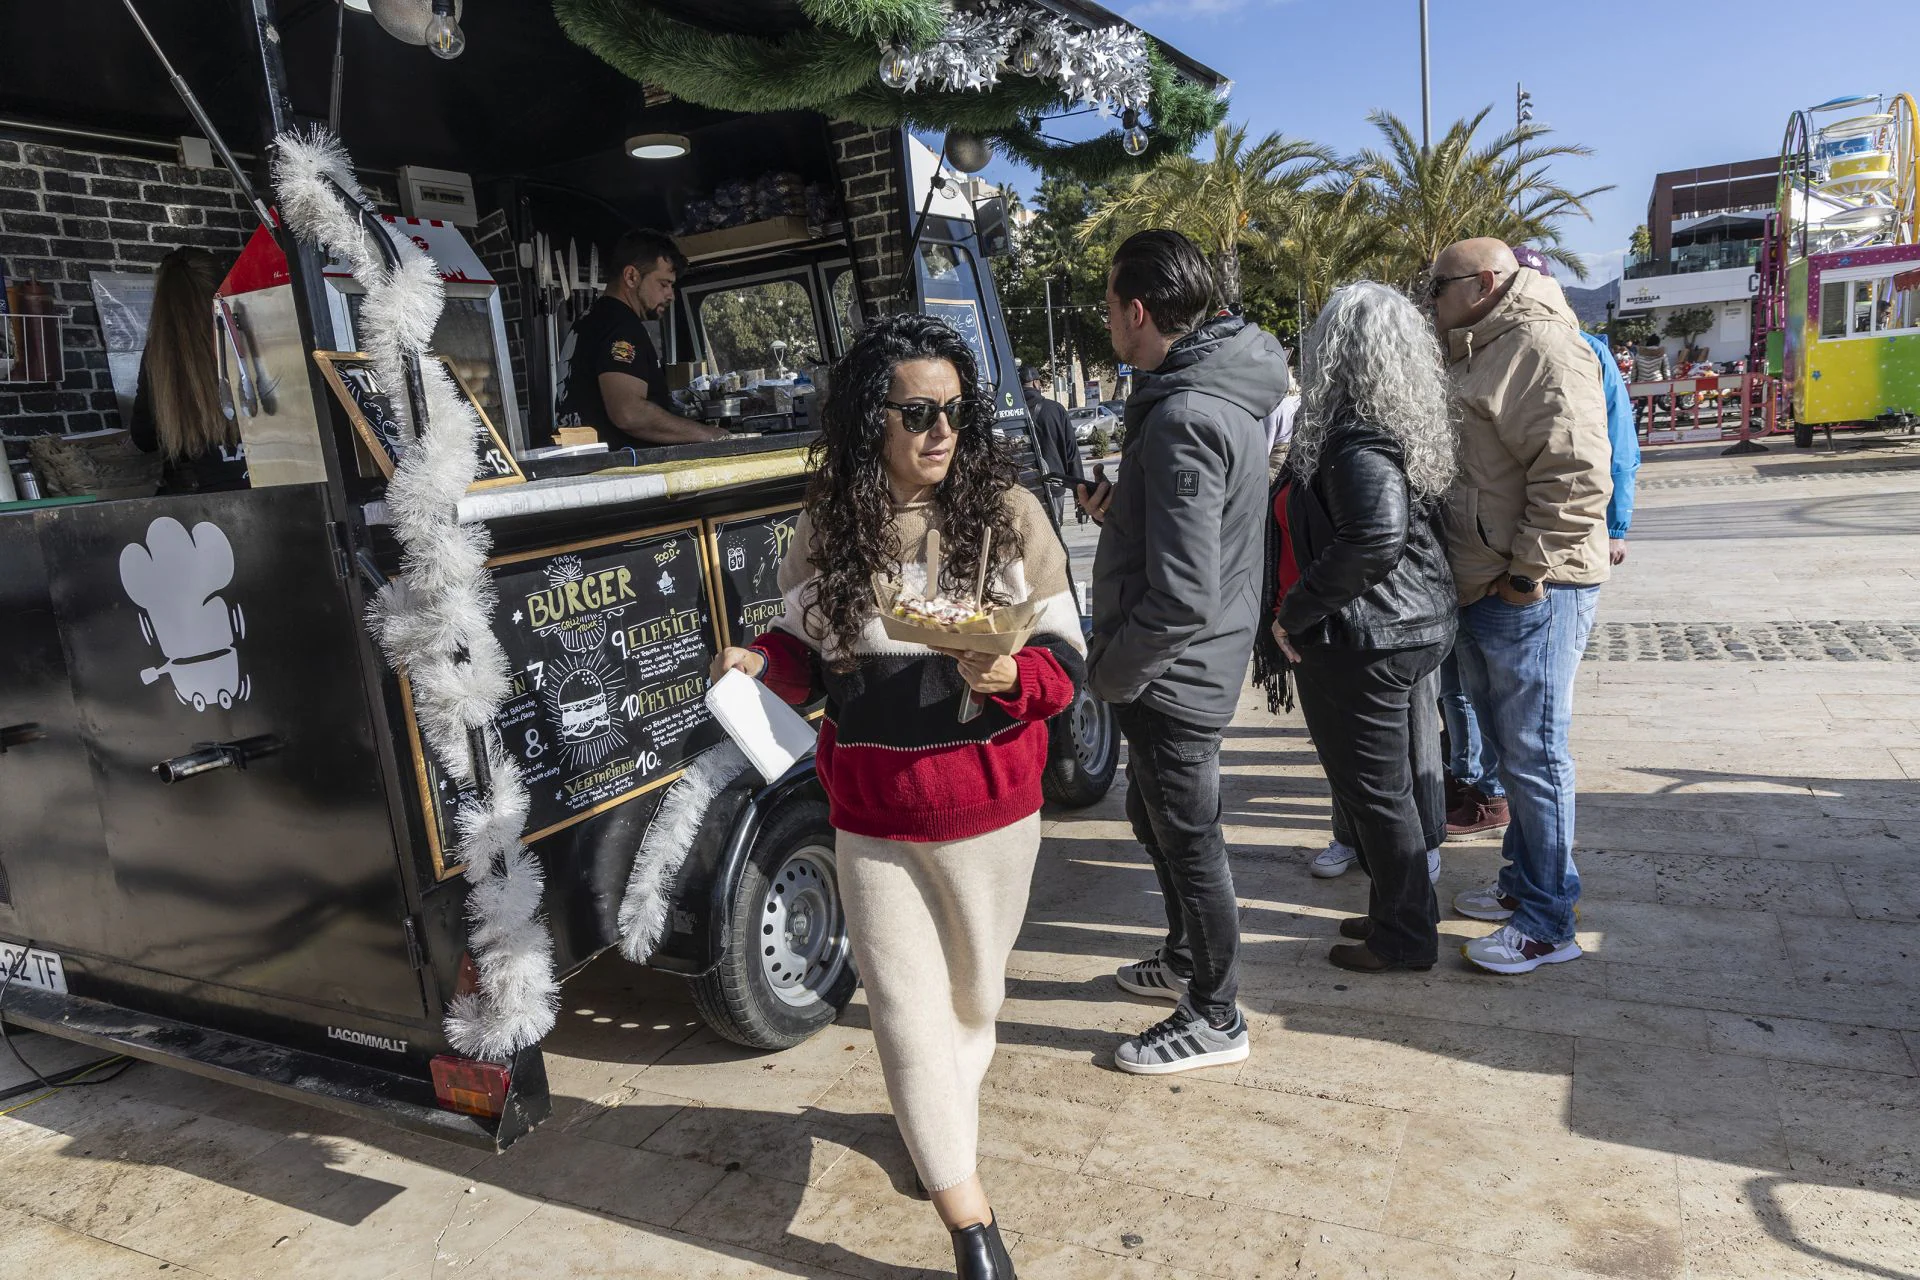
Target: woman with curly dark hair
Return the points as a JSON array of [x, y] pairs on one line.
[[938, 819]]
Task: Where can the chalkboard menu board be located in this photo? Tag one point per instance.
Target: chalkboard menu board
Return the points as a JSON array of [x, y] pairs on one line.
[[370, 408], [747, 550], [608, 644]]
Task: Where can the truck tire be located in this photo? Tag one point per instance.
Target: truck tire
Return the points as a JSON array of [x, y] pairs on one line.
[[1083, 753], [788, 967], [1803, 435]]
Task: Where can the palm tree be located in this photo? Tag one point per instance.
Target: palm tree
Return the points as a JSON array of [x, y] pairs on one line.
[[1235, 201], [1334, 237], [1430, 197]]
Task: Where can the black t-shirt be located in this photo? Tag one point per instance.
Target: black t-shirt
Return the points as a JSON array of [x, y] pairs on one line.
[[610, 338], [216, 468]]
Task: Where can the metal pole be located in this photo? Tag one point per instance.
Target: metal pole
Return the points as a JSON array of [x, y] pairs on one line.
[[339, 66], [1426, 85], [193, 107], [1053, 374]]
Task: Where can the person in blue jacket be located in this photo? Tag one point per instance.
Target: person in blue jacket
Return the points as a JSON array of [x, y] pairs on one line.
[[1626, 447]]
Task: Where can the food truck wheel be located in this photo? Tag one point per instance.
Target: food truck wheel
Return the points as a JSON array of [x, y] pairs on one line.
[[1802, 435], [788, 970], [1083, 754]]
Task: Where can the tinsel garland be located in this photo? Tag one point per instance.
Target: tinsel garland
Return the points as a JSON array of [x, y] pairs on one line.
[[1105, 69], [433, 623], [834, 69]]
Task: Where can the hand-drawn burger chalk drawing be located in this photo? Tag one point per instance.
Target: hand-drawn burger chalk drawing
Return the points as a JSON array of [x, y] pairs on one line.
[[176, 578]]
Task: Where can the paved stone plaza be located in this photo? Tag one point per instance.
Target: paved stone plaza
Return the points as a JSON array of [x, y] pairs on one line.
[[1725, 1087]]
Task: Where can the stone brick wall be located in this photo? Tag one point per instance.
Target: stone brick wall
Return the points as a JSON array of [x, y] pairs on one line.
[[66, 213], [868, 161]]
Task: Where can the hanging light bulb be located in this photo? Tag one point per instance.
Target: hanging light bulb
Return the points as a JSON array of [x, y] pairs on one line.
[[444, 36], [1028, 60], [1133, 139], [896, 67]]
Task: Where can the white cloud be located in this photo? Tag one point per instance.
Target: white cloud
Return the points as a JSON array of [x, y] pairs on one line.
[[1602, 267]]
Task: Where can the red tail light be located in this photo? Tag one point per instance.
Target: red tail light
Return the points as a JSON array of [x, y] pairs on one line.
[[469, 1087]]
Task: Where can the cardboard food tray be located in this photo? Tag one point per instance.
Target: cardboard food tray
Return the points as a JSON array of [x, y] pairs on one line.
[[1003, 631]]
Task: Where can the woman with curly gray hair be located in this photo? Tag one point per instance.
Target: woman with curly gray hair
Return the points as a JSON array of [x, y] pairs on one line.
[[1368, 611]]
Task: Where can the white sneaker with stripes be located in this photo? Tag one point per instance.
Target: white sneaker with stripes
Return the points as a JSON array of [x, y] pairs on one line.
[[1151, 978], [1183, 1042]]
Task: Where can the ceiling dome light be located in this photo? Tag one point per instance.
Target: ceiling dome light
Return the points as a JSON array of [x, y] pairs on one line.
[[406, 20], [658, 146]]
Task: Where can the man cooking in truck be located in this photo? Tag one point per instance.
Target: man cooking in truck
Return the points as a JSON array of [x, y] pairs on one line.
[[610, 374]]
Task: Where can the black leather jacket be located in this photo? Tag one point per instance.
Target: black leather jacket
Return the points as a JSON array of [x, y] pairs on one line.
[[1373, 561]]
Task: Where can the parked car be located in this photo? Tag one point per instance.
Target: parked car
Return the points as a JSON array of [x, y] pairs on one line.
[[1090, 419]]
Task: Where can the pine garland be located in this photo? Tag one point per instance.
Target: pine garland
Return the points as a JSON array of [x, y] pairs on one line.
[[834, 69]]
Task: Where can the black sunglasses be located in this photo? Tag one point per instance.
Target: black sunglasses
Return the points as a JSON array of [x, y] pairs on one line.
[[1438, 284], [920, 415]]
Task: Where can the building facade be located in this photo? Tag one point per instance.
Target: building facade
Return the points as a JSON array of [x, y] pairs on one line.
[[1705, 230]]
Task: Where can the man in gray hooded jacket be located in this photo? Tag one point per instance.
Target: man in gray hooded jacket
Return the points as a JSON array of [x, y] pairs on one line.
[[1176, 599]]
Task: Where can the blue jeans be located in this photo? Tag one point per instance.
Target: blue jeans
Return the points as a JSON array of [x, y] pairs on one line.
[[1471, 759], [1517, 664]]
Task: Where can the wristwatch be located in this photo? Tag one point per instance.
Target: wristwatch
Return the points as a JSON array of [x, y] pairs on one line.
[[1522, 584]]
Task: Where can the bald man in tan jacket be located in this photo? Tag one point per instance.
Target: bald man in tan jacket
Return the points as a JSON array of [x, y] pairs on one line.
[[1527, 535]]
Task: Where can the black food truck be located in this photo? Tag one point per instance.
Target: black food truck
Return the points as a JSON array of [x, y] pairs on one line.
[[230, 834]]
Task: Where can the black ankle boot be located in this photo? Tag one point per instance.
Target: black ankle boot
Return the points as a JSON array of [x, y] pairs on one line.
[[980, 1254]]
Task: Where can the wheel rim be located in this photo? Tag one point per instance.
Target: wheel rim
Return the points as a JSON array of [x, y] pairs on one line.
[[1092, 732], [802, 941]]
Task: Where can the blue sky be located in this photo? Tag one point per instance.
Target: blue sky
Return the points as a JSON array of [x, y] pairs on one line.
[[1650, 87]]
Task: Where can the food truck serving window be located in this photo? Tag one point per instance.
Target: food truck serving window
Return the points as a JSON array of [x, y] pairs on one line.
[[740, 326], [1861, 304]]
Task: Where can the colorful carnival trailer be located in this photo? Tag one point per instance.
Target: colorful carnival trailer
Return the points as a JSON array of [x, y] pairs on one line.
[[1841, 294]]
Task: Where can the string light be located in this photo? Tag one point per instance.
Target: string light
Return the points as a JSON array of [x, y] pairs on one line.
[[444, 36], [1133, 139], [896, 67]]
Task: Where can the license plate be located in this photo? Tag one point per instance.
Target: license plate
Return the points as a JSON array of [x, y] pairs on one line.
[[33, 967]]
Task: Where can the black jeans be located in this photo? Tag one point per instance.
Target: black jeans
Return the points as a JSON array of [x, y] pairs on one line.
[[1173, 802], [1429, 769], [1371, 713]]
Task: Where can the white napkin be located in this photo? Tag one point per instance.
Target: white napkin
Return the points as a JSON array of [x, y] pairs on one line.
[[768, 732]]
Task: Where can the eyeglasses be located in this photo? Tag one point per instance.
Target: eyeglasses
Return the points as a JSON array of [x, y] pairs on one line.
[[919, 415], [1437, 285]]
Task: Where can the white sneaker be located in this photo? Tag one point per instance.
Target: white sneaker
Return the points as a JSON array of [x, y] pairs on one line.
[[1507, 950], [1333, 860], [1433, 865], [1485, 904]]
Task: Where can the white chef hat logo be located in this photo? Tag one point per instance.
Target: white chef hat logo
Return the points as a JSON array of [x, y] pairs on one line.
[[176, 578]]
